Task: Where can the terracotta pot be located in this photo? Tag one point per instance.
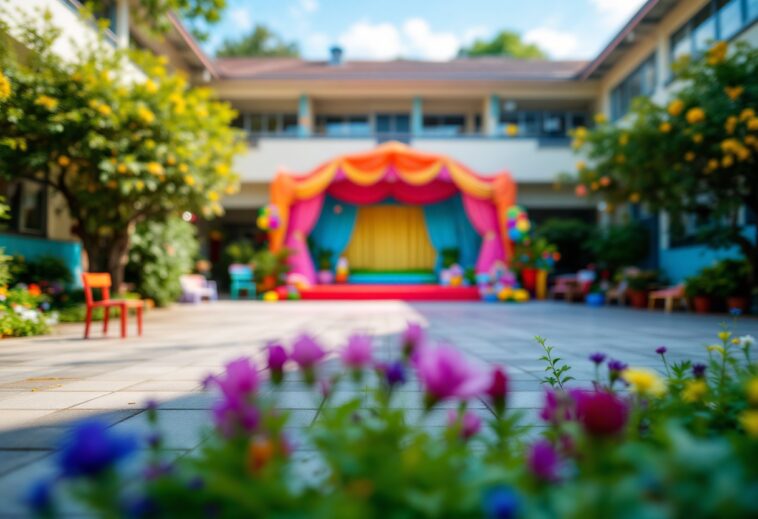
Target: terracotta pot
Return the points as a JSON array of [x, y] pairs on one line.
[[529, 278], [637, 298], [702, 304], [739, 302]]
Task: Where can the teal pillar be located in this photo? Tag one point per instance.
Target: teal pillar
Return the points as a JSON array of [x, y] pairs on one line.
[[493, 120], [304, 117], [417, 116]]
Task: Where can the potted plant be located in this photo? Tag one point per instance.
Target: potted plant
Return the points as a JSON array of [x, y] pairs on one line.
[[638, 284], [733, 277], [534, 258], [700, 289], [596, 295]]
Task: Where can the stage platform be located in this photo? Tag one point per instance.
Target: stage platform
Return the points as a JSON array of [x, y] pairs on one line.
[[421, 277], [401, 292]]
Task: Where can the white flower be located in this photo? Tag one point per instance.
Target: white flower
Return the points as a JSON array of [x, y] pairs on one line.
[[747, 340]]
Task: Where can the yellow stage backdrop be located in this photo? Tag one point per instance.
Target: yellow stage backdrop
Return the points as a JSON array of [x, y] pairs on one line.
[[390, 237]]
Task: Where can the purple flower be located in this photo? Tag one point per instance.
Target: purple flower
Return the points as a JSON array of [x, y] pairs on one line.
[[92, 448], [698, 370], [559, 406], [154, 440], [501, 502], [39, 498], [661, 350], [357, 353], [325, 387], [235, 416], [306, 352], [617, 366], [413, 337], [394, 373], [469, 423], [277, 357], [239, 380], [498, 388], [543, 460], [597, 358], [601, 413], [445, 374]]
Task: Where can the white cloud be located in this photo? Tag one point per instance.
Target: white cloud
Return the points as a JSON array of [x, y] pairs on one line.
[[558, 44], [616, 11], [241, 18], [302, 8], [421, 41], [364, 40]]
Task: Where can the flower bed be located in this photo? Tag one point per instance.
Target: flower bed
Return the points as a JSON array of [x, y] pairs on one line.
[[23, 312], [638, 443]]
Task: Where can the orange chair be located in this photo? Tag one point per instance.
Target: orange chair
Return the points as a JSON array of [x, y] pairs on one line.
[[102, 281]]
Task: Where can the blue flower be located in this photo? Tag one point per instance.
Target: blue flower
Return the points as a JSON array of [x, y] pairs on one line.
[[736, 312], [92, 448], [39, 497], [501, 502], [395, 373]]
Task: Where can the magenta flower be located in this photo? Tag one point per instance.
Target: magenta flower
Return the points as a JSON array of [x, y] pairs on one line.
[[601, 413], [235, 412], [498, 388], [469, 423], [277, 358], [543, 461], [412, 338], [235, 416], [445, 374], [240, 379], [306, 352], [357, 353], [559, 406]]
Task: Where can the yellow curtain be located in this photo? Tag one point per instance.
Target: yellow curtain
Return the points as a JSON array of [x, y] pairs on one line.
[[388, 237]]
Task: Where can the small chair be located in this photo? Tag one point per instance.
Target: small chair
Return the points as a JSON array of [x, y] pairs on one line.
[[195, 288], [102, 280], [241, 280], [669, 296], [617, 293], [566, 286]]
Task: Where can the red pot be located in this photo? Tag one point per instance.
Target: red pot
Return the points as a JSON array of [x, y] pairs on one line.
[[739, 302], [637, 298], [529, 278], [702, 304]]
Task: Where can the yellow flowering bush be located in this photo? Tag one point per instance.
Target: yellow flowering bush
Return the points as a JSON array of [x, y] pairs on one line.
[[5, 87]]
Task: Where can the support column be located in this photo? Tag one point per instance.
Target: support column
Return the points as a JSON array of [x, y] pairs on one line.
[[492, 116], [122, 24], [304, 116], [417, 117]]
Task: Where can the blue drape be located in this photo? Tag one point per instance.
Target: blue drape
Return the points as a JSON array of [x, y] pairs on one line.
[[449, 227], [334, 227]]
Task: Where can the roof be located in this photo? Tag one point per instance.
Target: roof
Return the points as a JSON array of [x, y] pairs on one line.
[[639, 25], [462, 69]]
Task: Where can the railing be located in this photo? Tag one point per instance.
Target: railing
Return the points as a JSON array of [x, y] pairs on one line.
[[543, 141]]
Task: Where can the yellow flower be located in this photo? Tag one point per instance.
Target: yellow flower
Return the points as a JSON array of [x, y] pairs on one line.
[[730, 124], [675, 107], [213, 196], [727, 161], [644, 381], [747, 113], [230, 190], [511, 130], [695, 115], [189, 180], [594, 186], [749, 421], [689, 156], [170, 160], [5, 87], [150, 144], [581, 165], [145, 115], [624, 139], [183, 168], [154, 168], [752, 390], [634, 198], [600, 118], [46, 102], [665, 127], [717, 348], [697, 138], [694, 390], [104, 109], [222, 169], [713, 165], [150, 86], [121, 168], [580, 132], [140, 185], [63, 161], [717, 53], [733, 92], [752, 123]]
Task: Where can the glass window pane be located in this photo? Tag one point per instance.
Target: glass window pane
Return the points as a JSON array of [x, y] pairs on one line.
[[553, 124], [289, 124], [403, 123], [256, 123], [752, 10], [31, 210], [703, 30], [272, 123], [383, 124], [730, 18], [680, 43], [578, 119]]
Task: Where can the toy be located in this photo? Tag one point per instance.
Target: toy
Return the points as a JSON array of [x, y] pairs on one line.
[[268, 218], [270, 296], [343, 270]]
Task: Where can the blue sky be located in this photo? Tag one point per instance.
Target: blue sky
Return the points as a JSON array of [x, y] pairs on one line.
[[427, 29]]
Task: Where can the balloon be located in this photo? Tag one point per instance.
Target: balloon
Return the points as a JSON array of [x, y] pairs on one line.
[[523, 226], [271, 296], [514, 234], [263, 222], [512, 211], [273, 222], [511, 224]]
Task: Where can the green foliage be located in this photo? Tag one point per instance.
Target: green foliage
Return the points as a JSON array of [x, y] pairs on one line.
[[160, 253], [534, 253], [639, 280], [120, 147], [20, 314], [725, 278], [260, 42], [556, 369], [271, 264], [570, 237], [450, 256], [504, 43], [41, 270], [241, 251], [617, 246]]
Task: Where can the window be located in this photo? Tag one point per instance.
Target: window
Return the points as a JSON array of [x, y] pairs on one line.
[[729, 17], [28, 201], [703, 27], [343, 125], [543, 124], [641, 82], [752, 10], [444, 125], [273, 124]]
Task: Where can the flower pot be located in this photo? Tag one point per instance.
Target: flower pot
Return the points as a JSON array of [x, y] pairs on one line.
[[637, 298], [529, 278], [595, 299], [738, 302], [702, 304], [541, 290]]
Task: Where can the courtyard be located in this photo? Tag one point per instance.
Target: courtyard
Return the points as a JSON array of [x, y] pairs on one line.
[[46, 383]]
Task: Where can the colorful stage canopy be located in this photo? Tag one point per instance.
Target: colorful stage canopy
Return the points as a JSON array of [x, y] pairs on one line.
[[391, 171]]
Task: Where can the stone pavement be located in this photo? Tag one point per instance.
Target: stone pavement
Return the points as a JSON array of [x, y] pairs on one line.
[[47, 383]]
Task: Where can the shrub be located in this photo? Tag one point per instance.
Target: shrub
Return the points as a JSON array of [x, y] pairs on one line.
[[160, 253], [570, 237], [681, 442], [21, 313], [617, 246], [729, 277], [50, 270]]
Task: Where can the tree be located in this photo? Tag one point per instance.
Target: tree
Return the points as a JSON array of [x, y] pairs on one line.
[[121, 145], [261, 41], [697, 154], [505, 43]]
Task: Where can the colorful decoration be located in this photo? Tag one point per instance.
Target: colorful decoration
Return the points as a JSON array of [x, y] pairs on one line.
[[452, 276], [298, 281], [270, 296], [343, 270], [293, 294], [518, 223], [268, 218], [500, 284]]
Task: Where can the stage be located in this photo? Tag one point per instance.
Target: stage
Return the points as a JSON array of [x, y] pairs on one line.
[[401, 292]]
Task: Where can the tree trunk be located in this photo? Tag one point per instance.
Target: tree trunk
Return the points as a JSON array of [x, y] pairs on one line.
[[107, 254]]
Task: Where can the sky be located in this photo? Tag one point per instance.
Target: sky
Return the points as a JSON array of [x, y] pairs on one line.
[[427, 29]]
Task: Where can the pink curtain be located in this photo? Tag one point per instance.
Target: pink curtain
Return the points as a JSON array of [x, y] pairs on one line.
[[433, 192], [483, 217], [303, 217]]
